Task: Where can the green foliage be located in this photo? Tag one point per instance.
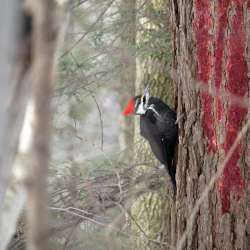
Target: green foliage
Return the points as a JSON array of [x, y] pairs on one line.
[[79, 108], [154, 37], [65, 65], [98, 38]]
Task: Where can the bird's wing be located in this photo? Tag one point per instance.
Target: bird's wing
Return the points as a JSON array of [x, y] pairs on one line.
[[167, 128], [164, 152], [151, 133], [169, 158], [162, 108], [160, 146]]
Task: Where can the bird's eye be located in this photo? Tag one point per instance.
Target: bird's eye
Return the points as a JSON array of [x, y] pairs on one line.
[[144, 99]]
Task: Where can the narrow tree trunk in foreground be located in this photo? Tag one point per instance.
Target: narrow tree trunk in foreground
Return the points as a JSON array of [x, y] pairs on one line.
[[44, 38]]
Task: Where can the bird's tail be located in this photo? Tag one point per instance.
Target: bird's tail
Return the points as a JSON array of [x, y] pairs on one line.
[[170, 164], [171, 170]]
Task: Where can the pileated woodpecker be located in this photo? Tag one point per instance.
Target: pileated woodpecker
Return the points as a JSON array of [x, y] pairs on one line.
[[158, 126]]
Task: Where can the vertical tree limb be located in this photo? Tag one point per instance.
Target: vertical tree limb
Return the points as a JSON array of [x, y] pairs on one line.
[[128, 72], [44, 38]]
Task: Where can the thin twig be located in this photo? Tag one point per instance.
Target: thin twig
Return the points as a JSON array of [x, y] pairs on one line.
[[91, 93], [89, 29], [104, 224]]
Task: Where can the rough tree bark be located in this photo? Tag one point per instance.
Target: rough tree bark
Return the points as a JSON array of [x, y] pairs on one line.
[[211, 72]]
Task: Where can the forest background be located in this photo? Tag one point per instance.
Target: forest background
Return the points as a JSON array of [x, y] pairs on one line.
[[75, 169]]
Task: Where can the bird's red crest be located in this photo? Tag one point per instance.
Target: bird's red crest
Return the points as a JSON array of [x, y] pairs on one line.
[[130, 108]]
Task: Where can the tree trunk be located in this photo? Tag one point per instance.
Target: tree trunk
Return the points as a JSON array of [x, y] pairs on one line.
[[44, 41], [28, 127], [151, 211], [211, 68], [128, 71]]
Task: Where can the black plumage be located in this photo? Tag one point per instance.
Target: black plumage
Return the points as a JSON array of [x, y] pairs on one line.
[[158, 126]]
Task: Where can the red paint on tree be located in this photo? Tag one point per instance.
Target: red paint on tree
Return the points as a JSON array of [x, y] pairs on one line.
[[219, 109], [207, 121], [222, 15], [236, 114], [202, 25], [237, 65], [231, 182]]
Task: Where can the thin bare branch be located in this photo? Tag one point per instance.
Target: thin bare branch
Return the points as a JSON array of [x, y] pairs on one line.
[[98, 19]]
